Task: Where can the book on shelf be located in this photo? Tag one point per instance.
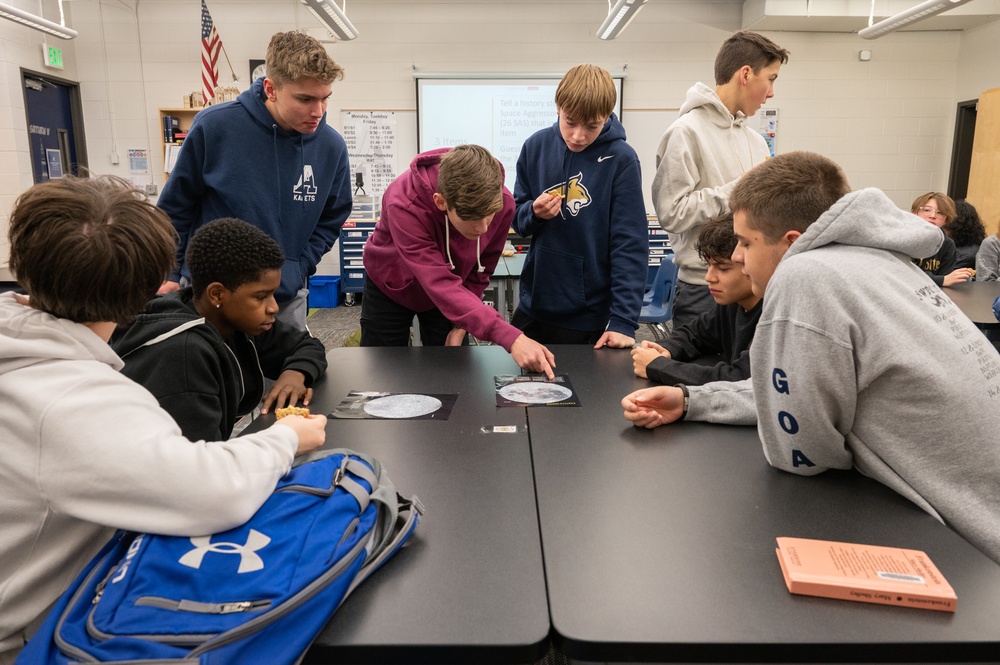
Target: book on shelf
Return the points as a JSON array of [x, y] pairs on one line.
[[864, 573], [171, 125], [170, 156]]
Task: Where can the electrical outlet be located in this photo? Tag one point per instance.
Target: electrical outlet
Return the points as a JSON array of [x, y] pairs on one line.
[[151, 188], [114, 158]]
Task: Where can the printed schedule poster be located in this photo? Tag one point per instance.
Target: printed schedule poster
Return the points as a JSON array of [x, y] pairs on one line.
[[371, 148]]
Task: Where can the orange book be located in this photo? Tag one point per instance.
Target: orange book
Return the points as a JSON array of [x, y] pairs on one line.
[[865, 573]]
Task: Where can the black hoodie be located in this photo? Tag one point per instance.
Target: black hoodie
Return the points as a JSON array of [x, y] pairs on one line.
[[204, 382]]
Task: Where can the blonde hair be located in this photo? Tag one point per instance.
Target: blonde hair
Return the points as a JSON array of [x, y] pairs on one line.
[[471, 182], [292, 56], [586, 92], [946, 206]]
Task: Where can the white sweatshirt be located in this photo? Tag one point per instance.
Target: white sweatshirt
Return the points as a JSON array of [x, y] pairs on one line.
[[860, 360], [700, 157], [86, 451]]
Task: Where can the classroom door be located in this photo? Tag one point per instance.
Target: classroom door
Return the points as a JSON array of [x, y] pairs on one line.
[[55, 128]]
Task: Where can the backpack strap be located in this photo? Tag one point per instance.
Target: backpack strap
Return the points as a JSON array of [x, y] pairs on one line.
[[410, 511]]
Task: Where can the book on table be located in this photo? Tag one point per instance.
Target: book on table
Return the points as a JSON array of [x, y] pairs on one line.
[[864, 573]]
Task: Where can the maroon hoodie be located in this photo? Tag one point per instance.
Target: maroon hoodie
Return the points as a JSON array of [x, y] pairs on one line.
[[420, 264]]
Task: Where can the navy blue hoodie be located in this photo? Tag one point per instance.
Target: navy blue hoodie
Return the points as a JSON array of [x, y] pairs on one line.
[[238, 162], [586, 267]]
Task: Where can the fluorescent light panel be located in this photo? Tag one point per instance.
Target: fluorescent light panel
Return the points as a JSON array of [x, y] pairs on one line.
[[36, 22], [911, 15], [619, 17], [333, 17]]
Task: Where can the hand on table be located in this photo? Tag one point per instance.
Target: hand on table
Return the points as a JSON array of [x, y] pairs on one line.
[[652, 407], [532, 356], [958, 276], [644, 354], [455, 337], [614, 340], [287, 391]]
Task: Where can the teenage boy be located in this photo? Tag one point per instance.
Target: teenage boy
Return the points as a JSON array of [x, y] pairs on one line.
[[417, 265], [86, 450], [706, 150], [724, 331], [269, 158], [224, 328], [579, 198], [841, 373]]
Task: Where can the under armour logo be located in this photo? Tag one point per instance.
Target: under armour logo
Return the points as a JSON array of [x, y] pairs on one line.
[[249, 561]]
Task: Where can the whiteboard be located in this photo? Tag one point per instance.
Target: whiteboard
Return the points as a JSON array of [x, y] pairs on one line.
[[643, 127]]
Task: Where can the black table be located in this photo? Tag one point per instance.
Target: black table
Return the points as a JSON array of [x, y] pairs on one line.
[[470, 587], [975, 299], [659, 545]]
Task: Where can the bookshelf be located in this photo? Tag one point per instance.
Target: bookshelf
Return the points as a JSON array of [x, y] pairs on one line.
[[184, 117]]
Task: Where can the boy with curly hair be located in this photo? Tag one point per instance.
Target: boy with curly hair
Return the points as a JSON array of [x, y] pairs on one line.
[[222, 335]]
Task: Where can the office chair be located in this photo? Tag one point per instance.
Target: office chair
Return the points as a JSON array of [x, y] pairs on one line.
[[656, 311]]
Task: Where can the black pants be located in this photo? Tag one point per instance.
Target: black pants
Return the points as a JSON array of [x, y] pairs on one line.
[[386, 323], [544, 333]]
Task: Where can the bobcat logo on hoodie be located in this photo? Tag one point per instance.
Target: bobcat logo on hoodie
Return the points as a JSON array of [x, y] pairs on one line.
[[573, 193]]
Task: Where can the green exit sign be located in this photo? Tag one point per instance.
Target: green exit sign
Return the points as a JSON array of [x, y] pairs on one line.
[[53, 57]]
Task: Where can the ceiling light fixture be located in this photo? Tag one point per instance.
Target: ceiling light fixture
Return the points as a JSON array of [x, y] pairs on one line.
[[619, 17], [911, 15], [333, 17], [36, 22]]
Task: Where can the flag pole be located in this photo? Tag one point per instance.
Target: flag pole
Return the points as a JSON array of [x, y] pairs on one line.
[[231, 70]]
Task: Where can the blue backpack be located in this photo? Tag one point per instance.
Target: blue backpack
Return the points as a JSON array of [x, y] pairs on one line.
[[258, 593]]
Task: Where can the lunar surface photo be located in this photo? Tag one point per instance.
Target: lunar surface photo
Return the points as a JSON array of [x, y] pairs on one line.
[[402, 406], [535, 393]]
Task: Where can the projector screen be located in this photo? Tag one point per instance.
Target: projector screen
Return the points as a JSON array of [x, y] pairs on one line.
[[496, 113]]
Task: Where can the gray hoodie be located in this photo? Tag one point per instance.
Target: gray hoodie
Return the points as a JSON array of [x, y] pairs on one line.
[[859, 360], [86, 450], [700, 157]]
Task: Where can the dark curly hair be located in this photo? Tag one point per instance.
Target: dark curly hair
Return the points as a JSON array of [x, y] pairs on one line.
[[966, 229], [717, 240], [231, 252]]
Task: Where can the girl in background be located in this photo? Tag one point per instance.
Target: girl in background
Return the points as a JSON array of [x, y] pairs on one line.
[[939, 209]]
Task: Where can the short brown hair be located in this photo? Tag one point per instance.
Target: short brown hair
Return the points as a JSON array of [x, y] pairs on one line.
[[586, 92], [90, 250], [788, 192], [471, 181], [945, 204], [292, 56], [746, 48], [716, 240]]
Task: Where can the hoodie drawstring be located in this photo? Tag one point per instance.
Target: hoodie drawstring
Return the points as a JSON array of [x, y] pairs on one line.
[[447, 247]]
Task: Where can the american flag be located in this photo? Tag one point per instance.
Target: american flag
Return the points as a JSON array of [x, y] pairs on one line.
[[210, 47]]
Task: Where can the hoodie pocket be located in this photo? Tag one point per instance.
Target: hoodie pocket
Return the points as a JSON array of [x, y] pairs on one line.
[[558, 282]]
